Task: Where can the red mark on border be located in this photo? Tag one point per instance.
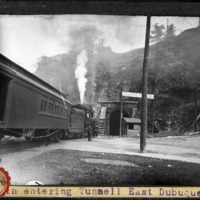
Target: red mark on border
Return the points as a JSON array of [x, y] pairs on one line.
[[4, 181]]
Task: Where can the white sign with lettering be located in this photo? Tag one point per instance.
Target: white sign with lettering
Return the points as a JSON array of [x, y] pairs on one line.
[[136, 95]]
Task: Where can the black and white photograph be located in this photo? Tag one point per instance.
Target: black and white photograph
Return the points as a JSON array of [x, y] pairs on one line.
[[100, 99]]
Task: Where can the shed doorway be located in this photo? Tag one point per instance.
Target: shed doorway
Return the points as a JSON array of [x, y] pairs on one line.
[[114, 122]]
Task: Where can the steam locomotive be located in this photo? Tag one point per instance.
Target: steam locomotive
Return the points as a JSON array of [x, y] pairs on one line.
[[31, 108]]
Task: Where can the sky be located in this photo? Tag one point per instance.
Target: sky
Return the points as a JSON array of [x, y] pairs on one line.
[[24, 39]]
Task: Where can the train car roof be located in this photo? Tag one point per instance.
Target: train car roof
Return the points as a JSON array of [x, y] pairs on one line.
[[76, 110], [29, 77]]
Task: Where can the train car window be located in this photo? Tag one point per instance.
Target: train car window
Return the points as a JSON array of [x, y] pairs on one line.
[[61, 109], [43, 106], [56, 107], [65, 112], [51, 104]]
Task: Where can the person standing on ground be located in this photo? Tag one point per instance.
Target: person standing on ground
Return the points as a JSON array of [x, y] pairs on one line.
[[89, 132]]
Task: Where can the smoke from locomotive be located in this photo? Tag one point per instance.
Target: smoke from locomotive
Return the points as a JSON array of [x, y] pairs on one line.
[[80, 74]]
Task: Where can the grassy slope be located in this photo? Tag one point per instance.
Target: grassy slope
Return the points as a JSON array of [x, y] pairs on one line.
[[67, 167]]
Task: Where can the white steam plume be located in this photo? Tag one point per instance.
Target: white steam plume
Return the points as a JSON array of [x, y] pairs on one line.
[[80, 73]]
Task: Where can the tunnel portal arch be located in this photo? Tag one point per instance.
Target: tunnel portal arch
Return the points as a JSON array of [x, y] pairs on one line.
[[114, 122]]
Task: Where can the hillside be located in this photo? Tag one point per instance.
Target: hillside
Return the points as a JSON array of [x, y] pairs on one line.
[[171, 75], [61, 69]]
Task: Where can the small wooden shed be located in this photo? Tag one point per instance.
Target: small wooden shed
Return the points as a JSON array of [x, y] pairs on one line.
[[131, 127]]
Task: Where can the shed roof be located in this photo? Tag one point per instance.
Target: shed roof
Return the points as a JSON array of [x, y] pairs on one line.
[[132, 120]]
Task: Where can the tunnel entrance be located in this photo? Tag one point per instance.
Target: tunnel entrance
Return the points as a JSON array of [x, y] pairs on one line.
[[114, 122]]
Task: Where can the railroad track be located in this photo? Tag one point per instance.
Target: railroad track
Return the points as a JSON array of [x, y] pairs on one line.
[[13, 146]]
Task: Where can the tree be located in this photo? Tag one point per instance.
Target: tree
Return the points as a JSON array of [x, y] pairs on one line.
[[157, 34], [170, 31], [164, 61]]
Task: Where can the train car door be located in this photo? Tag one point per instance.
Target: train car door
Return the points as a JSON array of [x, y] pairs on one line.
[[4, 83]]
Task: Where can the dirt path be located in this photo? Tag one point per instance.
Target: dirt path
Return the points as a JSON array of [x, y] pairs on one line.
[[177, 148]]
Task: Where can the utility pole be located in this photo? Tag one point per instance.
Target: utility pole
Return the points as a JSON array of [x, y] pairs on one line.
[[195, 95], [121, 115], [167, 24], [144, 89], [153, 116], [153, 100]]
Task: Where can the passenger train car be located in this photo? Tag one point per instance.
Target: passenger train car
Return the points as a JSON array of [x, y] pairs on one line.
[[31, 108], [77, 122]]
